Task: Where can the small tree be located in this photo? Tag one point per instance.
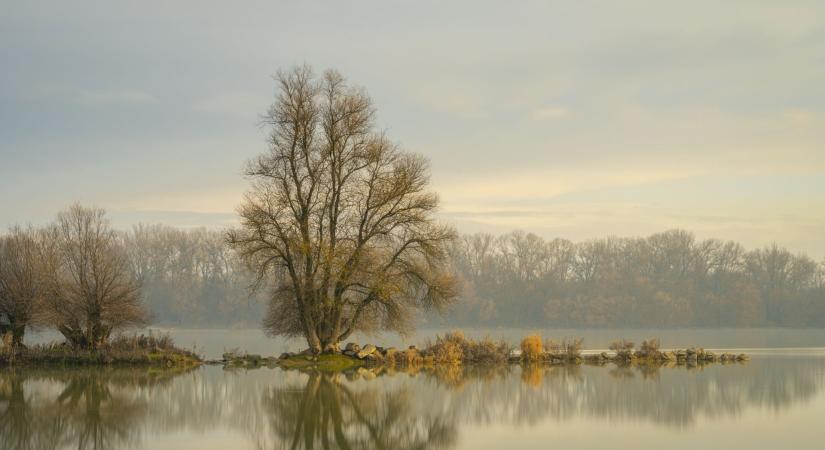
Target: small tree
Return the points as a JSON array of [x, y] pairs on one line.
[[92, 289], [338, 221], [22, 286]]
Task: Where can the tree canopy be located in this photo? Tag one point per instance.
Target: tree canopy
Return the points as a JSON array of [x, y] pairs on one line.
[[338, 221]]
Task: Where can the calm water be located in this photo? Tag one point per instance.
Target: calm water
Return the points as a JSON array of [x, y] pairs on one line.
[[776, 400]]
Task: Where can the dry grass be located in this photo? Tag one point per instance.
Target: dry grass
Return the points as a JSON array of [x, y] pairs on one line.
[[455, 348], [127, 350]]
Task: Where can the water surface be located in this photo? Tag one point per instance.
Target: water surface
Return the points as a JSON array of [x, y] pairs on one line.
[[774, 401]]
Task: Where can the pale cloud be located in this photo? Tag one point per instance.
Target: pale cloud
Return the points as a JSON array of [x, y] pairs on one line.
[[116, 97], [233, 103], [548, 113]]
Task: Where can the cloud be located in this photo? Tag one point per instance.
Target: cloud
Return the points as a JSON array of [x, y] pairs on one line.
[[116, 97], [233, 103], [548, 113]]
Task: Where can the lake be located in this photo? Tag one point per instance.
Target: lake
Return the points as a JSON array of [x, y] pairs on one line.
[[776, 400]]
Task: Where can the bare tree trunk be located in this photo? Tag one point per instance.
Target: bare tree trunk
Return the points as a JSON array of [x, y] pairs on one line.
[[17, 332]]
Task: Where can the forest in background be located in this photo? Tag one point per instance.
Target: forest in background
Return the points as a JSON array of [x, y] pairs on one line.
[[670, 279]]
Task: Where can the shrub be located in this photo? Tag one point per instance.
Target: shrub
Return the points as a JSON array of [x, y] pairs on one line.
[[447, 351], [623, 348], [531, 348], [454, 348], [486, 351], [650, 347], [572, 347]]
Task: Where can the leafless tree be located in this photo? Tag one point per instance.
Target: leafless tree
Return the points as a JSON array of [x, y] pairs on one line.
[[92, 289], [21, 282], [340, 217]]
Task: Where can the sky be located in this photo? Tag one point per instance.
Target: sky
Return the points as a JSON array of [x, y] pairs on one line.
[[567, 119]]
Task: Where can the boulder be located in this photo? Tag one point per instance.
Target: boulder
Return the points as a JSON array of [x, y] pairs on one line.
[[284, 356], [390, 351], [352, 347], [350, 353], [368, 349]]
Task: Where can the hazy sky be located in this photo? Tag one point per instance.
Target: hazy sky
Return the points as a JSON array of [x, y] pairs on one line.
[[573, 119]]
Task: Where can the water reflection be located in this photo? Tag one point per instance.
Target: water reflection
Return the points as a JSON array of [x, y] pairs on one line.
[[83, 409], [271, 408]]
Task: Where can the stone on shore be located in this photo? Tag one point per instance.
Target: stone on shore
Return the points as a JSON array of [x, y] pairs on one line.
[[368, 349]]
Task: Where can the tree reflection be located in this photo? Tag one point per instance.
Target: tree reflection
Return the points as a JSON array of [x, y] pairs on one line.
[[378, 409], [82, 409], [331, 414]]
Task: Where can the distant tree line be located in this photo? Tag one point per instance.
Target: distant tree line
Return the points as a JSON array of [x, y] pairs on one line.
[[84, 279], [669, 279], [191, 277]]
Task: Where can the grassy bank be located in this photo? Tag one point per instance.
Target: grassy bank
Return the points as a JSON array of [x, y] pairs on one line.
[[152, 351]]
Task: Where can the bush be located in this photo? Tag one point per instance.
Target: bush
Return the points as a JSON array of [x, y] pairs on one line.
[[486, 351], [531, 348], [455, 348], [572, 347], [449, 349], [623, 348], [650, 347]]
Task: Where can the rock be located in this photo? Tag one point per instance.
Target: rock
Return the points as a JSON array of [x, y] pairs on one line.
[[374, 357], [284, 356], [367, 350], [352, 347], [390, 351], [604, 355], [350, 353], [690, 351], [742, 357], [670, 356], [412, 347], [228, 356]]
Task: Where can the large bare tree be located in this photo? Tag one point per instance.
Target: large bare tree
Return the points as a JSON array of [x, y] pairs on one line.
[[93, 290], [340, 218], [21, 282]]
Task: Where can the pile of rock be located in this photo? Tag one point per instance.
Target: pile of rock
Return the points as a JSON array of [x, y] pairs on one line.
[[370, 354]]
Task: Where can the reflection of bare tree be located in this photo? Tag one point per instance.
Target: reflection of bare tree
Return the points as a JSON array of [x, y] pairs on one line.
[[330, 413], [82, 409], [271, 408]]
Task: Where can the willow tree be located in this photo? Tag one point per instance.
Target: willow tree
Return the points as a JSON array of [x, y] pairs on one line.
[[92, 290], [338, 221], [22, 286]]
